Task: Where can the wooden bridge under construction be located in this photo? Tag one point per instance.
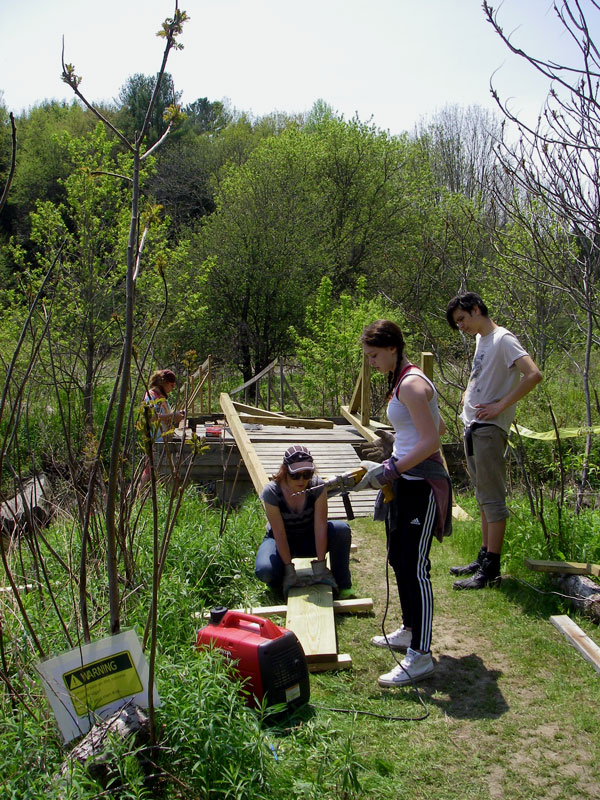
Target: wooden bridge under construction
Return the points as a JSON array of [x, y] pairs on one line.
[[252, 440], [247, 448]]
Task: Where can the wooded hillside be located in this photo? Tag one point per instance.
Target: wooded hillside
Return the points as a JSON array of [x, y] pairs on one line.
[[145, 234]]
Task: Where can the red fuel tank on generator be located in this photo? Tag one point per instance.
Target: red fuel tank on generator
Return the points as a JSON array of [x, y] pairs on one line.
[[270, 657]]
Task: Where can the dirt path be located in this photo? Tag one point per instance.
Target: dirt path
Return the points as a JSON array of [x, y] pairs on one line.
[[501, 681]]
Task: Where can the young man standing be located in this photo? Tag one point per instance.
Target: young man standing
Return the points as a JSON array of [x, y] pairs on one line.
[[501, 375]]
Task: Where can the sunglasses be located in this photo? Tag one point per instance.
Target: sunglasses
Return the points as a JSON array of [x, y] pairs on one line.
[[304, 476]]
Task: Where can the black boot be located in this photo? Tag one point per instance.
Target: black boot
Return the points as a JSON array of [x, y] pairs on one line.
[[488, 574], [469, 569]]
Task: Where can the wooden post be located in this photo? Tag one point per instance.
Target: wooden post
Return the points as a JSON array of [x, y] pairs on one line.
[[201, 379], [209, 382], [365, 391], [427, 364], [281, 403]]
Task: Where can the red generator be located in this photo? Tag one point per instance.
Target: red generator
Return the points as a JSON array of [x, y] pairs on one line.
[[270, 657]]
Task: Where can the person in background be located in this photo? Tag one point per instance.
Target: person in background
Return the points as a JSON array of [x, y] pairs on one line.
[[161, 384], [502, 374], [297, 526], [421, 507]]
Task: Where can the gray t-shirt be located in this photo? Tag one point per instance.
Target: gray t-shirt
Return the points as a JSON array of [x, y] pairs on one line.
[[493, 375], [297, 523]]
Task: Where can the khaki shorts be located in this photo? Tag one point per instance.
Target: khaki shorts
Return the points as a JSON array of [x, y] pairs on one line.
[[487, 468]]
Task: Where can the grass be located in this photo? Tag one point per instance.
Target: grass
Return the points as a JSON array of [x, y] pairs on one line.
[[510, 712], [512, 706]]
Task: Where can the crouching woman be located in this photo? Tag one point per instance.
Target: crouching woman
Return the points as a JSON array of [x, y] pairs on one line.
[[297, 526]]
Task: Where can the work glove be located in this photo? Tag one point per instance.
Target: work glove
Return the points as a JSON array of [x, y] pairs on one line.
[[322, 574], [377, 475], [291, 579], [373, 477], [381, 449]]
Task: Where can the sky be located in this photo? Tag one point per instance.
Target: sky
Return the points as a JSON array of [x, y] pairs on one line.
[[392, 62]]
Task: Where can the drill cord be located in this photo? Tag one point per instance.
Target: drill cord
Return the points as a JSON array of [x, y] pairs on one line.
[[415, 687]]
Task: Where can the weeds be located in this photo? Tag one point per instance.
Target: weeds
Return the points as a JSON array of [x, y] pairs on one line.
[[211, 745]]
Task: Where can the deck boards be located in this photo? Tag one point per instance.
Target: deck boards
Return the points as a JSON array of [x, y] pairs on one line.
[[580, 640], [333, 451]]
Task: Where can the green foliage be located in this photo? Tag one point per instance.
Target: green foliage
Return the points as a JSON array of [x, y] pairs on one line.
[[134, 99], [212, 745], [210, 562], [258, 235], [43, 159], [210, 738], [330, 353], [90, 230], [5, 144], [204, 116], [331, 201]]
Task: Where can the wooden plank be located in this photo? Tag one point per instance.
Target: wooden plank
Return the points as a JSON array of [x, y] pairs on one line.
[[366, 430], [580, 640], [261, 412], [342, 661], [291, 422], [255, 468], [564, 567], [365, 391], [310, 617], [460, 514], [354, 606], [256, 378]]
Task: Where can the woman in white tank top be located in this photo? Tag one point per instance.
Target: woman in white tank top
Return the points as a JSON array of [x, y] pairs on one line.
[[421, 496]]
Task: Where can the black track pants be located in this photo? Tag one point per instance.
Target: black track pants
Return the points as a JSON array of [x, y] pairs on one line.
[[409, 542]]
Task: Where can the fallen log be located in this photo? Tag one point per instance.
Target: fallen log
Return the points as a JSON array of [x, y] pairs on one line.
[[571, 578], [28, 510], [583, 593], [94, 751]]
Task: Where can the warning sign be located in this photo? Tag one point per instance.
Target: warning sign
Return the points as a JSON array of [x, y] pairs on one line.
[[92, 681], [103, 681]]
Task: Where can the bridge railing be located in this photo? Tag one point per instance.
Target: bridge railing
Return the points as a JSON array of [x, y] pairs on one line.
[[273, 373]]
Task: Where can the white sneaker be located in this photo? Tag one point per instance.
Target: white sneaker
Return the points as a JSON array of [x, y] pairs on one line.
[[417, 665], [398, 640]]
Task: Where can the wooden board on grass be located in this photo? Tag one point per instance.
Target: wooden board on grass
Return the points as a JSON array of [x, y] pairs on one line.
[[356, 605], [341, 661], [580, 640], [310, 617], [564, 567]]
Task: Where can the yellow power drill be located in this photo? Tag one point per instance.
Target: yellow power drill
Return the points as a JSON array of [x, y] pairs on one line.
[[342, 484]]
